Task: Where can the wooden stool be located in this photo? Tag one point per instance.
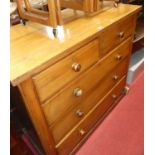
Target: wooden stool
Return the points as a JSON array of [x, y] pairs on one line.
[[32, 10]]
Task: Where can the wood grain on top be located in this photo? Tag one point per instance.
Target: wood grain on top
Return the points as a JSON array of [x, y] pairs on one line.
[[34, 48]]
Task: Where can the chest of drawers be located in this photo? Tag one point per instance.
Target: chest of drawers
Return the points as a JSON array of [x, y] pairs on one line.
[[70, 83]]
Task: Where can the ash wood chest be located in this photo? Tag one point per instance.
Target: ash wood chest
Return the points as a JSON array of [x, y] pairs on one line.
[[70, 83]]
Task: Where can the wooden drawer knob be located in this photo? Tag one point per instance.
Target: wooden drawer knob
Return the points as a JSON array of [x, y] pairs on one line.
[[82, 132], [76, 67], [79, 113], [77, 92], [121, 35], [115, 77], [118, 57], [114, 96]]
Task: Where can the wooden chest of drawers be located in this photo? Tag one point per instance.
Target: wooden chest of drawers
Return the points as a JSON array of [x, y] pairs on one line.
[[70, 83]]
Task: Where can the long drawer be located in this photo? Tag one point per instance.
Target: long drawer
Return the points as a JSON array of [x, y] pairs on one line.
[[66, 123], [55, 77], [58, 106], [80, 131], [115, 34]]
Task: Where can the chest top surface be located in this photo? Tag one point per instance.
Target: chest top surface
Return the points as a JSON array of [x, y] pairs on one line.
[[33, 47]]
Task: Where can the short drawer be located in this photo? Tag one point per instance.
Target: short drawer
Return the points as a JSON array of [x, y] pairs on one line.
[[84, 127], [78, 90], [55, 77], [66, 123], [115, 34]]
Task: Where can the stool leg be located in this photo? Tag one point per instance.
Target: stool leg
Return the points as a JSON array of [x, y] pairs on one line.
[[23, 21], [55, 32], [116, 3]]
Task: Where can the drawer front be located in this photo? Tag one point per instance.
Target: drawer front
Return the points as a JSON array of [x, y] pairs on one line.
[[55, 77], [74, 94], [115, 34], [65, 124], [81, 130]]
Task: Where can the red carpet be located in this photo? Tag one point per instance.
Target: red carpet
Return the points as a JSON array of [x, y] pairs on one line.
[[121, 133]]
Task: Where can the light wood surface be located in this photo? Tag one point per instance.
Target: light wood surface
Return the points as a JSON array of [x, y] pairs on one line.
[[37, 117], [61, 127], [29, 58], [57, 107], [88, 122], [57, 76]]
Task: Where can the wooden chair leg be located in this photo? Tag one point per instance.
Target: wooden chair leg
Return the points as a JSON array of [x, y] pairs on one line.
[[23, 21], [116, 3]]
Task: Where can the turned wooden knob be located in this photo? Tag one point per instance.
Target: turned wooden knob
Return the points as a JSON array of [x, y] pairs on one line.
[[76, 67], [79, 113], [77, 92], [82, 132], [114, 96], [115, 77], [118, 57], [121, 34]]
